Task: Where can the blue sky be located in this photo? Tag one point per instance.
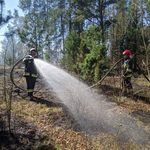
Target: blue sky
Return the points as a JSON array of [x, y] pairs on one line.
[[9, 5]]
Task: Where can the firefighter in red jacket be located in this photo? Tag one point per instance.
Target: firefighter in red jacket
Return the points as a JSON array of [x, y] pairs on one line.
[[127, 72], [30, 71]]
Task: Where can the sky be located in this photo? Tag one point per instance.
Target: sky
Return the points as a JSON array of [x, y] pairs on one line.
[[9, 5]]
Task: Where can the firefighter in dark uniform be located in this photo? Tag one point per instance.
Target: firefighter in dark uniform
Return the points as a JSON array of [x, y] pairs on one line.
[[127, 72], [30, 71]]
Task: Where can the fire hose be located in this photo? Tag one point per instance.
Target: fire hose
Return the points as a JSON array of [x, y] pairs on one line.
[[96, 84], [143, 73], [19, 89], [12, 76], [100, 81]]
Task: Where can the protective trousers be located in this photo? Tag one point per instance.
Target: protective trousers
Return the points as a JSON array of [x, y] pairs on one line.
[[30, 85], [127, 85]]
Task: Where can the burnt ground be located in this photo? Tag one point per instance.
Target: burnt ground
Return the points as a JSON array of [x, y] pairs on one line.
[[45, 124]]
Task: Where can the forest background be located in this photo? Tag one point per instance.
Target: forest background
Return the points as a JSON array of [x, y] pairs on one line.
[[84, 37]]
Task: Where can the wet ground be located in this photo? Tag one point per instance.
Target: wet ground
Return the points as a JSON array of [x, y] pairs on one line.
[[28, 135]]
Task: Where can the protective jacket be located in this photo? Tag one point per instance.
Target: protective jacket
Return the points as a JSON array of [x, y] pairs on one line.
[[30, 74], [128, 68], [30, 68], [127, 74]]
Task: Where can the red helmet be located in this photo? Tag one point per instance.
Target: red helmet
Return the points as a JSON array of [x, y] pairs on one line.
[[127, 52]]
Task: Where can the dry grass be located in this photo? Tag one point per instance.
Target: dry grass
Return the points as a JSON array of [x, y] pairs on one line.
[[142, 81], [130, 105], [56, 128]]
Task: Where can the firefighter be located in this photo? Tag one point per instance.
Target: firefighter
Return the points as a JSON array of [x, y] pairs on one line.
[[127, 72], [30, 71]]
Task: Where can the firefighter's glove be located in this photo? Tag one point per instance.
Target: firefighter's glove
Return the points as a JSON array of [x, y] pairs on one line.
[[27, 58]]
